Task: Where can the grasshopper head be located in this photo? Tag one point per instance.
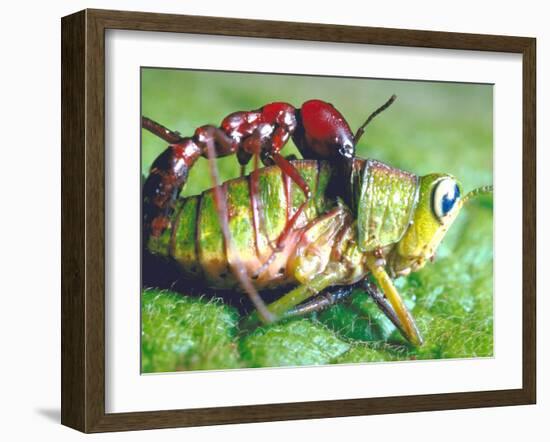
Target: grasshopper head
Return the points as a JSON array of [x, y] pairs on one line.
[[439, 202]]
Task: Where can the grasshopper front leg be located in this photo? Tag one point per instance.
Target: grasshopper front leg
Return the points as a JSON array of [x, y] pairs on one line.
[[311, 263], [323, 301], [406, 322]]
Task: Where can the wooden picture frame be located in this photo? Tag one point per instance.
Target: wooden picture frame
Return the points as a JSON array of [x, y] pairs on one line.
[[83, 220]]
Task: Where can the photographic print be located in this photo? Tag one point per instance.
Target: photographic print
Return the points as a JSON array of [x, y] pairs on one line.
[[292, 220], [241, 226]]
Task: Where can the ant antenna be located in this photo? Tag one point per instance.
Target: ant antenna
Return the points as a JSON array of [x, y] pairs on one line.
[[382, 108]]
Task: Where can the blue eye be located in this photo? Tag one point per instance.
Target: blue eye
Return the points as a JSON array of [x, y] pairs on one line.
[[445, 196]]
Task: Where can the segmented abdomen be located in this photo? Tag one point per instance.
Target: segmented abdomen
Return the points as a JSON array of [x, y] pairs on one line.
[[258, 208]]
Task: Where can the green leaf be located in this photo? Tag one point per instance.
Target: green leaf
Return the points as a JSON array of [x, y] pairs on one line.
[[185, 333], [295, 342]]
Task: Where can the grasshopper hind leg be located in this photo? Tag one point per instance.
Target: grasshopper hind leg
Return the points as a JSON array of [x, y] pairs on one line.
[[383, 304], [335, 295], [323, 301]]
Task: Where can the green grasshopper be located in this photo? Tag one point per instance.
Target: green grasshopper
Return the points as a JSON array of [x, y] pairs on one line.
[[263, 231]]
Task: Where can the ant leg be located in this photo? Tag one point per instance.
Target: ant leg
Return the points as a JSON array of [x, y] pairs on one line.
[[289, 170], [244, 159], [267, 143], [292, 173], [215, 139], [251, 149], [318, 239], [321, 302], [271, 155], [235, 263], [167, 176], [222, 144], [169, 171]]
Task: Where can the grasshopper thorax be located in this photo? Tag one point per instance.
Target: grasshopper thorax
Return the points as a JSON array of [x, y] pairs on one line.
[[386, 197]]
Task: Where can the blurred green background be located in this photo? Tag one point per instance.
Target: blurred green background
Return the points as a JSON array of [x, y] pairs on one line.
[[432, 127]]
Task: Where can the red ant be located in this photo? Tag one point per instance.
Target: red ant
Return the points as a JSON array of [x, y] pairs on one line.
[[318, 130]]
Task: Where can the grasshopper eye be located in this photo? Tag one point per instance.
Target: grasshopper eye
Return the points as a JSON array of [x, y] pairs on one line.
[[445, 195]]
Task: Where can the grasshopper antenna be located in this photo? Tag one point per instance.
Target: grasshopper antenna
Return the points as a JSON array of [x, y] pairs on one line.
[[484, 190]]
